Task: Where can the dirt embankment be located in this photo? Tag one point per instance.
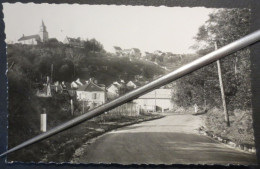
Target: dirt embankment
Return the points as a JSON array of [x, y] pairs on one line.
[[239, 134]]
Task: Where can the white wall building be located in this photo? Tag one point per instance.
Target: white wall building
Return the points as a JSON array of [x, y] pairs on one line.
[[131, 84], [93, 94], [113, 91], [43, 36], [156, 100]]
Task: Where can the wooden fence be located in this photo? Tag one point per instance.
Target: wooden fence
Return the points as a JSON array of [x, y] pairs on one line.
[[127, 109]]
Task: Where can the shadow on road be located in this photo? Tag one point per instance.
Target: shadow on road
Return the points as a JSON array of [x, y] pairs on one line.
[[161, 148]]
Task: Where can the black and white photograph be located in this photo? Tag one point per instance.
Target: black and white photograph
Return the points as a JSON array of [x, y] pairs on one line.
[[68, 63]]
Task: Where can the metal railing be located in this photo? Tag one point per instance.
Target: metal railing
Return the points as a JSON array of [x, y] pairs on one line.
[[182, 71]]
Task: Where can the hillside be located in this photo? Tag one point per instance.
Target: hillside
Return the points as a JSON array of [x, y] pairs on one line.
[[70, 63], [29, 65]]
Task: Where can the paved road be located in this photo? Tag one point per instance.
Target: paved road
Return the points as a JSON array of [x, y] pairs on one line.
[[170, 140]]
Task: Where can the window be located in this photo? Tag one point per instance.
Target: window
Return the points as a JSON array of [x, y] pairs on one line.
[[94, 95]]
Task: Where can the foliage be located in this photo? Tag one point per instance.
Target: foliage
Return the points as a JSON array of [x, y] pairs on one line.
[[241, 130], [24, 112], [93, 45], [70, 63], [202, 87], [28, 66]]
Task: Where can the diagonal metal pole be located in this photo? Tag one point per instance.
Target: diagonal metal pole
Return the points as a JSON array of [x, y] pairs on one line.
[[182, 71]]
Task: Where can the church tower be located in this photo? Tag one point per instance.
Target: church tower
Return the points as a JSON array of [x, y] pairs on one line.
[[43, 33]]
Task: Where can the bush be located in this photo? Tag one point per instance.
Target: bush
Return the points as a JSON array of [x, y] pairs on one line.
[[240, 130]]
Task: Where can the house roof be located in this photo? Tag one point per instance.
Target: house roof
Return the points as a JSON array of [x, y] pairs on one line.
[[136, 50], [113, 85], [139, 83], [158, 94], [74, 39], [37, 37], [116, 83], [130, 83], [90, 87], [102, 86], [117, 48]]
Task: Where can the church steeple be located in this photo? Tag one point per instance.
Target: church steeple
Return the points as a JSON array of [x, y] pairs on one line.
[[43, 32], [43, 27]]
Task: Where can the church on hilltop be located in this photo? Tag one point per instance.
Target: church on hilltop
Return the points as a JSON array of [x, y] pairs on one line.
[[37, 38]]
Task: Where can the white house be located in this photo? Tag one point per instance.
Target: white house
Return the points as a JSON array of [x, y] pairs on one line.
[[30, 40], [156, 100], [116, 83], [76, 42], [77, 83], [113, 91], [93, 94], [45, 91], [158, 52], [128, 52], [131, 84]]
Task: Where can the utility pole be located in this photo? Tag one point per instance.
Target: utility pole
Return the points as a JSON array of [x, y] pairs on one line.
[[222, 90], [204, 95], [155, 99], [51, 73], [72, 107], [83, 107]]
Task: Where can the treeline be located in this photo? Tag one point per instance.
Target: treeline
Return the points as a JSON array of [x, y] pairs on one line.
[[67, 63], [202, 87]]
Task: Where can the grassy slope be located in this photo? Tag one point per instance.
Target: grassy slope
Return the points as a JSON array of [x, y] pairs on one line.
[[241, 126]]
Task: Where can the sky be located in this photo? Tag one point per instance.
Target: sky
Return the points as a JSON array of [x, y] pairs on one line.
[[169, 29]]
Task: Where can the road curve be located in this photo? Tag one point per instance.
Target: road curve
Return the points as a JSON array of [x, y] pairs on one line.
[[173, 139]]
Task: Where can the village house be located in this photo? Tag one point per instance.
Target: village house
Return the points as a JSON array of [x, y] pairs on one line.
[[118, 50], [30, 40], [117, 83], [75, 42], [116, 89], [37, 38], [92, 94], [156, 100], [49, 89], [75, 84], [113, 91], [133, 52], [131, 84], [68, 90], [45, 91], [159, 53], [57, 87]]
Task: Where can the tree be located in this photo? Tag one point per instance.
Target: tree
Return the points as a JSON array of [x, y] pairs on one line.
[[75, 57], [93, 45], [223, 26]]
